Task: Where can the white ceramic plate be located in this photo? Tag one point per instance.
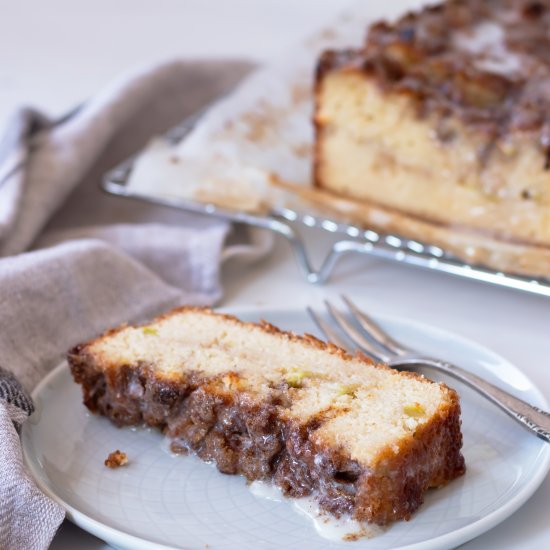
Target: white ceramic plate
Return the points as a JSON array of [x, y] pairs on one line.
[[162, 501]]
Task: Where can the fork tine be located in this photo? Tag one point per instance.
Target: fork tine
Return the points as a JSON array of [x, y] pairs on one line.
[[377, 352], [326, 329], [373, 330]]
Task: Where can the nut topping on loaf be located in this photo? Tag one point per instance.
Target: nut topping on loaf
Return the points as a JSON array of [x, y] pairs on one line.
[[486, 62], [270, 405]]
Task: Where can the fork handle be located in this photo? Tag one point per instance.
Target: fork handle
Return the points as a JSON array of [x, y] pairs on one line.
[[532, 417]]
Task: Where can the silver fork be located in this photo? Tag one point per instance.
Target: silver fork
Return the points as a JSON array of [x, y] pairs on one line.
[[371, 339]]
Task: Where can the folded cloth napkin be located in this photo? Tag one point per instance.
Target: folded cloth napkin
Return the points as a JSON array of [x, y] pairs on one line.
[[74, 261]]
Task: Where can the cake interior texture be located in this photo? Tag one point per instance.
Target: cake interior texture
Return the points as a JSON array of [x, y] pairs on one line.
[[442, 117], [363, 439]]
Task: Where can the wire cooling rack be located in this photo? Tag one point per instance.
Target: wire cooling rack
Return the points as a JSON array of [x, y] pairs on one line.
[[354, 239]]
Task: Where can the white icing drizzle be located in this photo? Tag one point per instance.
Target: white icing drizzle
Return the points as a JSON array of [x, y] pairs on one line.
[[486, 42], [326, 526], [266, 490]]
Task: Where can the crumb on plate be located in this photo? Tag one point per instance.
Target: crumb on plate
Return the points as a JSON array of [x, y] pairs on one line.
[[116, 459]]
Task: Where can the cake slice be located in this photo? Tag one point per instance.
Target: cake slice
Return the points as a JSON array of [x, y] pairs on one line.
[[438, 127], [363, 439]]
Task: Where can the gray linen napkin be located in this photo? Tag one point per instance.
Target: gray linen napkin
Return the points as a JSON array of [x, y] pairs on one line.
[[97, 260]]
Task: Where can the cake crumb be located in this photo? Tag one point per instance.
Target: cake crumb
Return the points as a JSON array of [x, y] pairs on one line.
[[352, 537], [116, 459]]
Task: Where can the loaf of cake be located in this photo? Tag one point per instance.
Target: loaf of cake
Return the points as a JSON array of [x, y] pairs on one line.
[[438, 128], [363, 439]]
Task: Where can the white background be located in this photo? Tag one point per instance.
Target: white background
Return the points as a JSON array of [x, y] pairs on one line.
[[54, 54]]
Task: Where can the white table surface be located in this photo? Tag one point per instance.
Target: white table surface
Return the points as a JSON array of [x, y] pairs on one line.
[[53, 54]]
